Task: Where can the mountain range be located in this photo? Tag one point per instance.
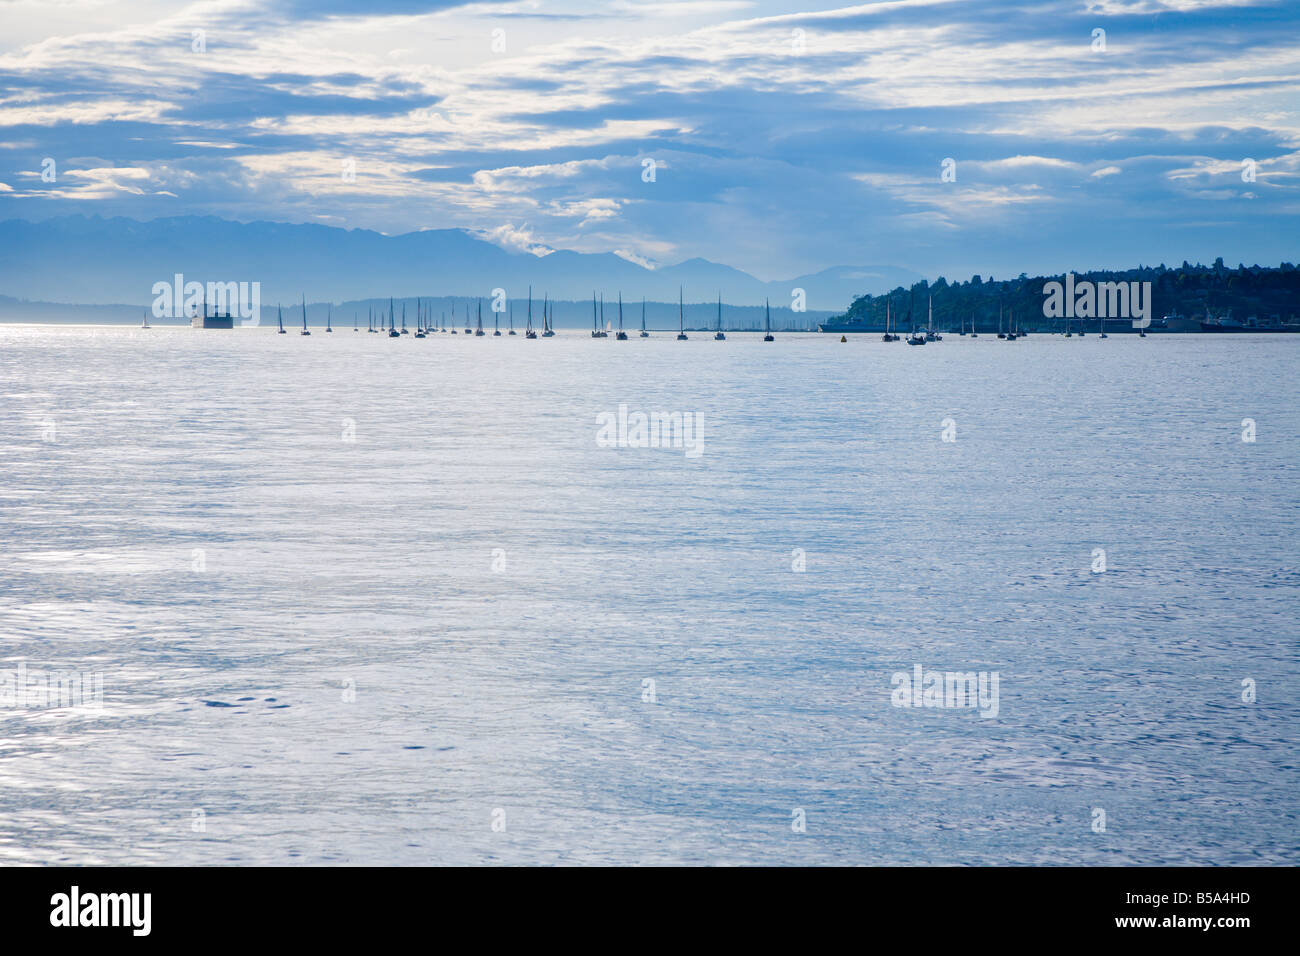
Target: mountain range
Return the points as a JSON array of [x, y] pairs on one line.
[[90, 260]]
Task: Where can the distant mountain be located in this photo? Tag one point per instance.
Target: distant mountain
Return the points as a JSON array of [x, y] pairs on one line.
[[92, 260]]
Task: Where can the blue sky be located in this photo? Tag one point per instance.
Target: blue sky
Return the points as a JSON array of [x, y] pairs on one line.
[[787, 139]]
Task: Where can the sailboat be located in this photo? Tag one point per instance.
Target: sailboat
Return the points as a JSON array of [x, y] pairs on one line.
[[354, 322], [644, 333], [468, 330], [404, 331], [145, 324], [1001, 334], [916, 338], [973, 333], [304, 317], [1011, 325], [767, 321], [420, 322], [512, 317], [681, 315], [548, 317], [595, 321], [528, 329], [279, 317], [479, 330], [718, 336], [328, 315], [392, 326], [496, 324], [622, 336], [889, 336], [930, 334]]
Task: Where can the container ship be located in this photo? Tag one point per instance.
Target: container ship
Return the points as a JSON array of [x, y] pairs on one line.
[[1252, 324]]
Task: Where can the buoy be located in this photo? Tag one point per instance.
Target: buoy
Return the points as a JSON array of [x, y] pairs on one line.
[[843, 339]]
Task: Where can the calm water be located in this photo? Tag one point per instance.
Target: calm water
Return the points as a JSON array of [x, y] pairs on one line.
[[317, 643]]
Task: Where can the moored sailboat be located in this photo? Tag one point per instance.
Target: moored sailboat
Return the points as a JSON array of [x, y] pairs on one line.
[[930, 334], [889, 335]]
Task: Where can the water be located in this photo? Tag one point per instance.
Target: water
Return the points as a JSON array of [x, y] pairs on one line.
[[333, 569]]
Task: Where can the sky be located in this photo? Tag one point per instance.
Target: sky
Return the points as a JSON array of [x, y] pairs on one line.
[[775, 138]]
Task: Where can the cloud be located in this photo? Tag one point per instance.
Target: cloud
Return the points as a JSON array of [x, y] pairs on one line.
[[631, 256], [516, 239], [784, 140]]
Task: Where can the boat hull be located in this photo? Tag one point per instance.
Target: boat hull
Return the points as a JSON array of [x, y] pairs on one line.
[[1248, 329]]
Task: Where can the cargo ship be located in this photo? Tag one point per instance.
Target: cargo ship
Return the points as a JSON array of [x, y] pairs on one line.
[[216, 320], [1252, 324]]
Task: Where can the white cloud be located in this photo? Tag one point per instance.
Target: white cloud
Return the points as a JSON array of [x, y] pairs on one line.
[[516, 239], [631, 256]]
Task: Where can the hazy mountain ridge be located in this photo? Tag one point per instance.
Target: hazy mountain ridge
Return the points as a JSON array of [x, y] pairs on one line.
[[93, 260]]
